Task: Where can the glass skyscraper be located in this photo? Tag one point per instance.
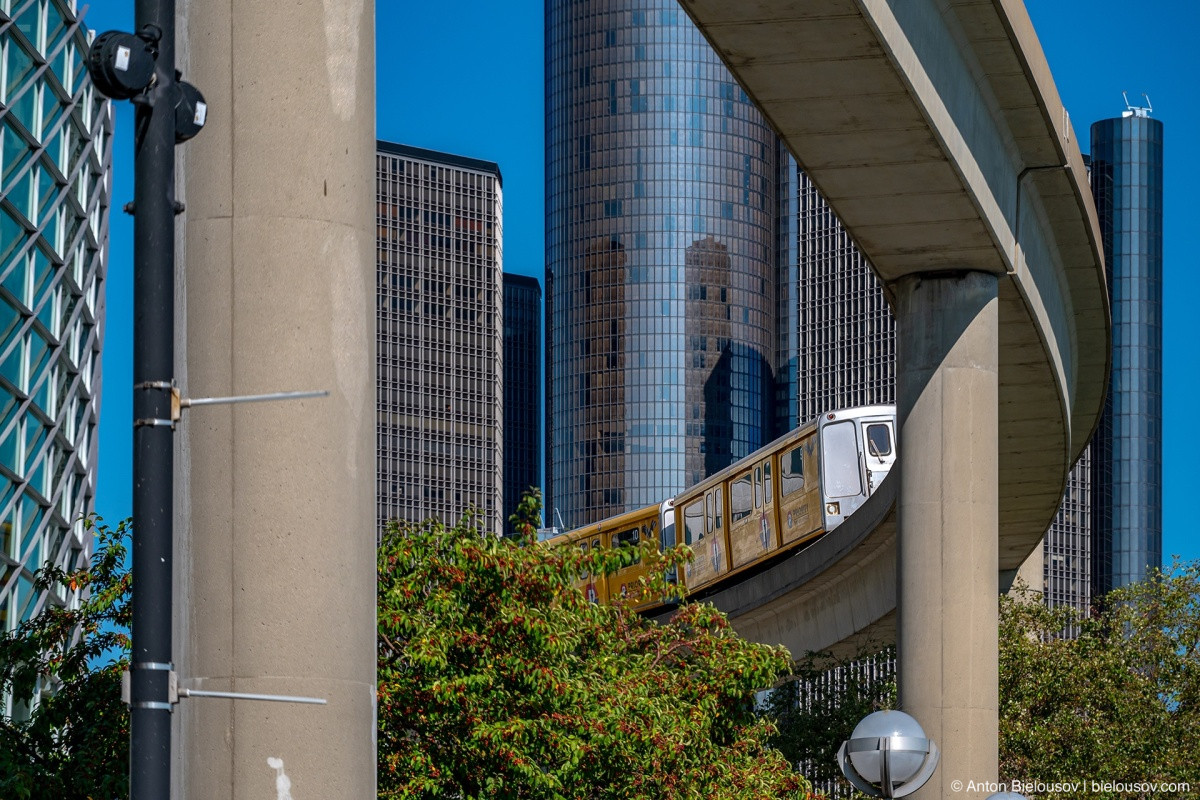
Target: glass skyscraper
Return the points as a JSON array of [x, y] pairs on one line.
[[660, 245], [1127, 175], [522, 388], [55, 181], [440, 337]]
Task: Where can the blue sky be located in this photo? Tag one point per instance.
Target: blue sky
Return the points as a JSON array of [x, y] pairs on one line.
[[466, 78]]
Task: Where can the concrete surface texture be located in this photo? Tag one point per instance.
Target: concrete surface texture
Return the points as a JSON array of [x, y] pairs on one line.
[[276, 567], [947, 557]]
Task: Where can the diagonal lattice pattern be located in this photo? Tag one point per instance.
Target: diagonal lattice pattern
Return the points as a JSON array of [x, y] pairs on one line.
[[55, 185]]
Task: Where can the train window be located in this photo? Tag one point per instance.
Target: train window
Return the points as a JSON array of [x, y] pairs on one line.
[[693, 522], [767, 481], [841, 475], [792, 466], [879, 440], [739, 498], [584, 574], [719, 507], [758, 487], [708, 512], [627, 538]]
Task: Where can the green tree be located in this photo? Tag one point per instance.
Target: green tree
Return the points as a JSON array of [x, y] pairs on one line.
[[497, 679], [75, 742], [1118, 702]]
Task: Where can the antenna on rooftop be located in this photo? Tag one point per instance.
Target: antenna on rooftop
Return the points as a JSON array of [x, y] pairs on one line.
[[1136, 111]]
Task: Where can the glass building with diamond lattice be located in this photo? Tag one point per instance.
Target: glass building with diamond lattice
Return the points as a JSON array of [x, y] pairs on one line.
[[55, 163]]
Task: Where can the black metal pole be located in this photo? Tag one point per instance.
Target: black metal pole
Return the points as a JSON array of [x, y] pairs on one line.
[[153, 372]]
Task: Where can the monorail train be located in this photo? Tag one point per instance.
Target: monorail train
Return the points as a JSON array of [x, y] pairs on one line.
[[777, 499]]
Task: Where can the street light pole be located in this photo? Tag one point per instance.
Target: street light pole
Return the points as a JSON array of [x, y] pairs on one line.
[[153, 376]]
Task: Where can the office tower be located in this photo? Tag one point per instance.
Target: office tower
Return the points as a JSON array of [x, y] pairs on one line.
[[1067, 549], [1127, 176], [522, 388], [660, 244], [56, 180], [840, 345], [440, 337]]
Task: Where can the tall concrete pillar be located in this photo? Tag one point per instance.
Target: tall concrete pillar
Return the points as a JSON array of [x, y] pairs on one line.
[[277, 549], [947, 557]]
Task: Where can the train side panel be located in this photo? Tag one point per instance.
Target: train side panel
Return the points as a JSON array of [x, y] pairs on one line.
[[700, 518], [799, 488], [753, 523]]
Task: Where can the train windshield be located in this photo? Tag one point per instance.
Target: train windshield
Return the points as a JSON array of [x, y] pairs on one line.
[[879, 440], [839, 446]]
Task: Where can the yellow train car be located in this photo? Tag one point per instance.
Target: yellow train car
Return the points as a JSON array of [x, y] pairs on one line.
[[777, 499], [626, 530]]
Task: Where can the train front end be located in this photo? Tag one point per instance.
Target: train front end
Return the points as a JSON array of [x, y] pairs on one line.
[[858, 449]]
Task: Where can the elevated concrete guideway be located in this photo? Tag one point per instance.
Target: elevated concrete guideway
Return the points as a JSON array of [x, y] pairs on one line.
[[934, 130], [936, 134]]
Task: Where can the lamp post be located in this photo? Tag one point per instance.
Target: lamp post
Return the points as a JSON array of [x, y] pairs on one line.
[[888, 755], [140, 67]]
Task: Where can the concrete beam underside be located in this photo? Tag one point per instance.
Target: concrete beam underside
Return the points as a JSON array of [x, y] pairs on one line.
[[276, 572]]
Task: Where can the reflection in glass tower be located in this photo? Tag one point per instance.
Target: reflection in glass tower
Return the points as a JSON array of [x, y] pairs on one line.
[[1127, 174], [660, 258]]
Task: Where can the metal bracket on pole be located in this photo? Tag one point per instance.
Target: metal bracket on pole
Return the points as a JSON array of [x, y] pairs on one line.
[[175, 693], [192, 402], [165, 386], [178, 402], [274, 698]]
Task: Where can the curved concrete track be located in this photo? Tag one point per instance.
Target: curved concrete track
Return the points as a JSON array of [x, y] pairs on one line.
[[838, 594], [936, 134], [933, 129]]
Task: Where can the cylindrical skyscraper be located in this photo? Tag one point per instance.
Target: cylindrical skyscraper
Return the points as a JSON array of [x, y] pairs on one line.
[[660, 258], [1127, 173]]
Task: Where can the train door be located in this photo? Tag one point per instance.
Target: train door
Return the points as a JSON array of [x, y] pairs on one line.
[[593, 584], [751, 515], [842, 485], [768, 521], [799, 491], [666, 535], [704, 532], [743, 519], [879, 449]]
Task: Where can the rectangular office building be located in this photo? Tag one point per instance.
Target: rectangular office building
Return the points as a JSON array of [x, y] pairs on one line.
[[440, 338]]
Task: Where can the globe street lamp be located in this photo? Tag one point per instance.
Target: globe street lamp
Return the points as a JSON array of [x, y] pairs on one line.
[[888, 755]]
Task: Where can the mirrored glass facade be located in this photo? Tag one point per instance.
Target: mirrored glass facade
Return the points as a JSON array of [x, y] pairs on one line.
[[522, 388], [1127, 175], [55, 162], [440, 337], [660, 258]]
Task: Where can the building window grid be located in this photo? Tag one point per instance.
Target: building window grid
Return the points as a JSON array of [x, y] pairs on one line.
[[438, 247]]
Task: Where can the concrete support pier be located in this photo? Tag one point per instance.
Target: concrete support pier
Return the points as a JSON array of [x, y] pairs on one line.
[[277, 500], [947, 557]]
